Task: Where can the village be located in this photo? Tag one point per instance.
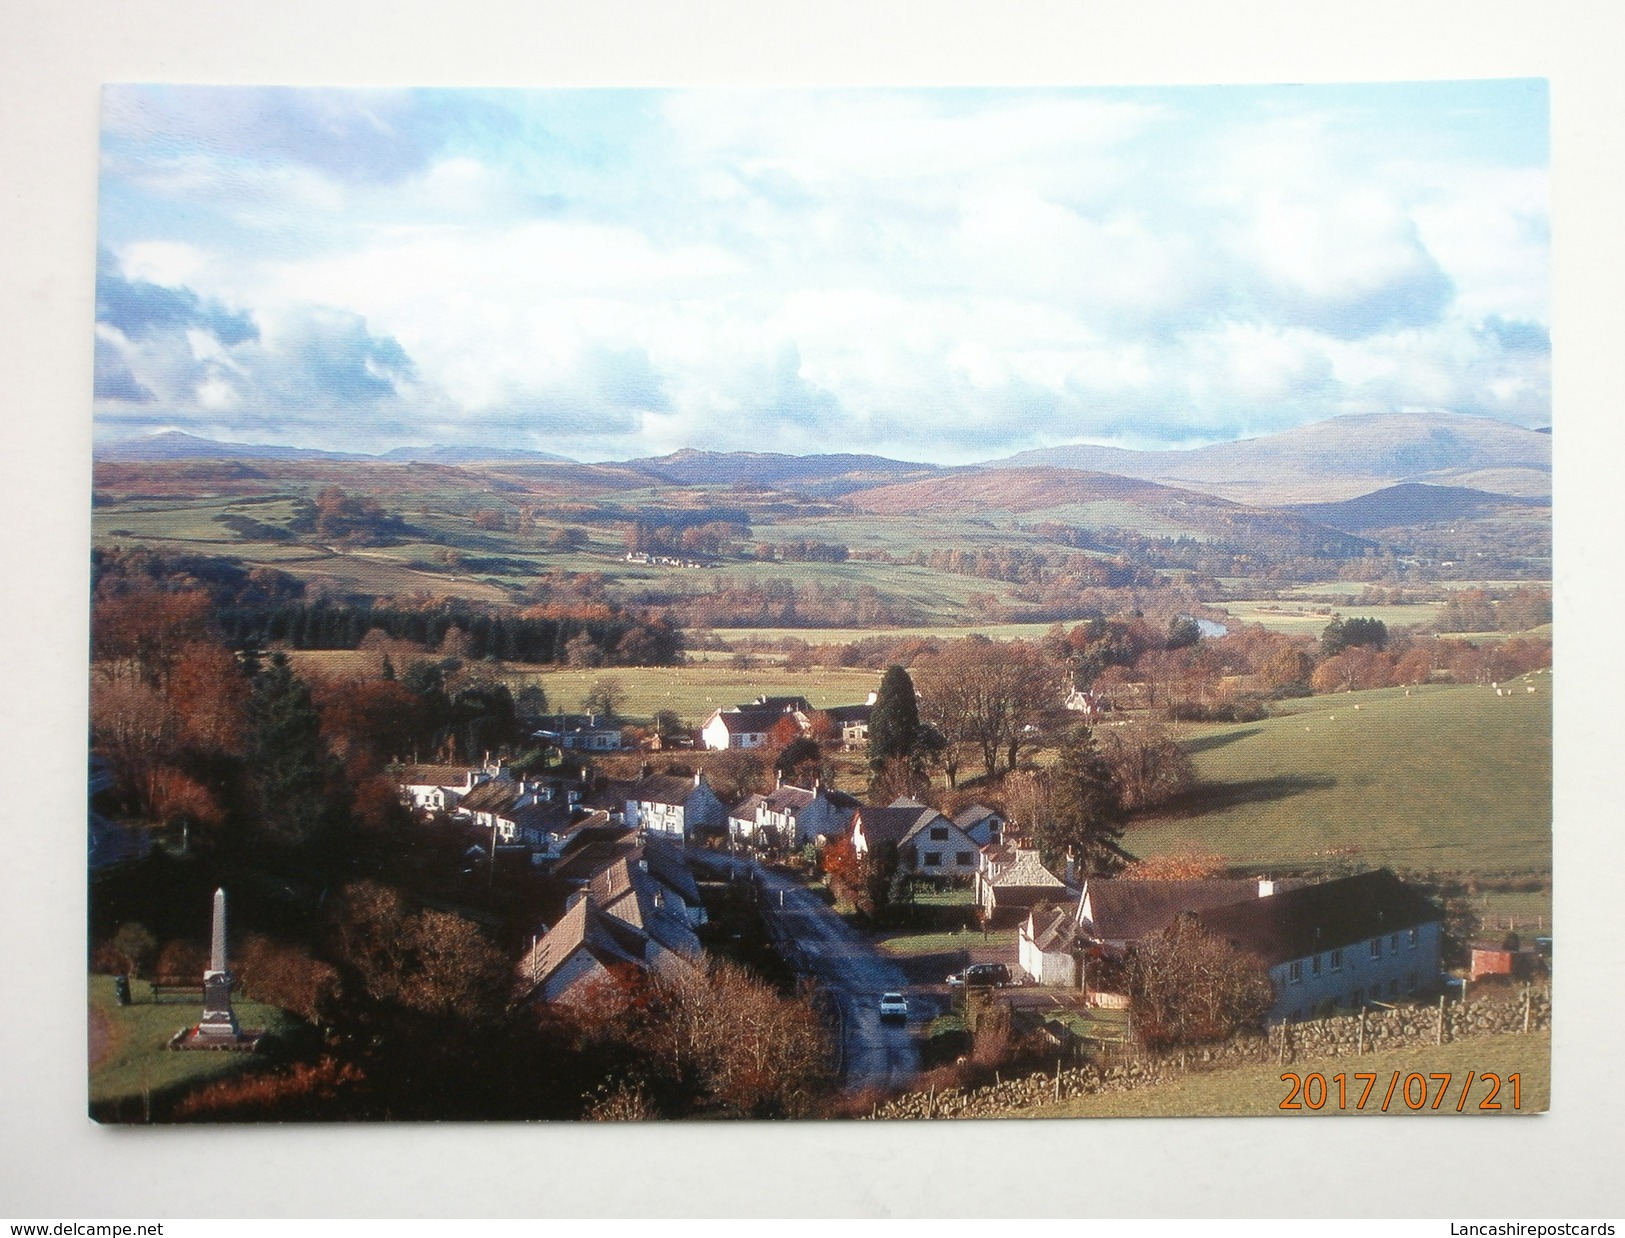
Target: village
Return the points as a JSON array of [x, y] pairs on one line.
[[626, 864]]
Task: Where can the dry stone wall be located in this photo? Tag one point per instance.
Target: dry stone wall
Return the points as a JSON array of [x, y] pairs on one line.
[[1341, 1036]]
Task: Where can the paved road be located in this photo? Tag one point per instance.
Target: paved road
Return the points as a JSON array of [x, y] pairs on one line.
[[820, 944]]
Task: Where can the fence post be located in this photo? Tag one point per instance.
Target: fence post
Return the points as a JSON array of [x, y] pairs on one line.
[[1359, 1047], [1526, 1010], [1439, 1039]]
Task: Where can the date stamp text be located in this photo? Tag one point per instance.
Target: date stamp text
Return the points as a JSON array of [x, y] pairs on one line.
[[1397, 1090]]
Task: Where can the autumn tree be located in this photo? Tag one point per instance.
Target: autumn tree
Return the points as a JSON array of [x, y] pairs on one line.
[[1187, 986], [1148, 766], [986, 694]]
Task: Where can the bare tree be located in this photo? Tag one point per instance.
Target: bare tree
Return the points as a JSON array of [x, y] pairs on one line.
[[987, 694], [1147, 764], [1187, 986]]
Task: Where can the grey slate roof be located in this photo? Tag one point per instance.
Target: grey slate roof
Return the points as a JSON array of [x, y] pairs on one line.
[[1125, 911], [661, 789], [1295, 924]]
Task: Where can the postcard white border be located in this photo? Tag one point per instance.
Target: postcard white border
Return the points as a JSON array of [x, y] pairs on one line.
[[54, 56]]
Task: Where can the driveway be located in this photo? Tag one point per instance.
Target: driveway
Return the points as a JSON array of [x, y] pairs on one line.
[[820, 944]]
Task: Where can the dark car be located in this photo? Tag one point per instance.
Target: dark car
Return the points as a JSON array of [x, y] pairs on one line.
[[982, 976]]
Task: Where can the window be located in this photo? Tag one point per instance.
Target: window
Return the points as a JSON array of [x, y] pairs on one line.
[[1314, 966], [1294, 973], [1376, 947], [939, 833], [963, 858], [1413, 935], [1393, 943], [1410, 981], [1357, 999], [1393, 988], [933, 859], [1337, 960]]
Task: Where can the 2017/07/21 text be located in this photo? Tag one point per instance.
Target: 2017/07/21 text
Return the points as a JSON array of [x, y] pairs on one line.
[[1415, 1091]]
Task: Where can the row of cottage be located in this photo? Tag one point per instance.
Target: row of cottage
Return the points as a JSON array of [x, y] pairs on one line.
[[618, 846], [540, 815]]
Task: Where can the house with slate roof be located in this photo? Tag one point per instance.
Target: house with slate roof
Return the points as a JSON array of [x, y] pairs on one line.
[[982, 825], [440, 788], [1013, 881], [1047, 946], [1338, 944], [1114, 914], [740, 728], [927, 843], [587, 947], [791, 816], [674, 805]]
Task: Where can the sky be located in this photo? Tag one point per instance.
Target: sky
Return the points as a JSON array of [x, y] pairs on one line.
[[936, 275]]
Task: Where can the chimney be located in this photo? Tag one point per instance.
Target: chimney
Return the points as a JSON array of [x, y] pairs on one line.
[[643, 771], [873, 697], [1266, 887], [778, 777], [699, 778]]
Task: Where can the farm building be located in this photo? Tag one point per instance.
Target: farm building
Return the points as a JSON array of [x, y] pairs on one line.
[[1046, 945], [1338, 944]]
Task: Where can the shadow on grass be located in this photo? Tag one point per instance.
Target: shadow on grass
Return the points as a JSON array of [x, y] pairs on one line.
[[1209, 742], [1216, 796]]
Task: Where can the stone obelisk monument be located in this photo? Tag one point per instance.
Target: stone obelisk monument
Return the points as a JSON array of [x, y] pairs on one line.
[[219, 1020]]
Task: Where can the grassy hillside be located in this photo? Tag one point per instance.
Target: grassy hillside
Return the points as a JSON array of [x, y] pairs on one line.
[[1446, 779], [1257, 1091]]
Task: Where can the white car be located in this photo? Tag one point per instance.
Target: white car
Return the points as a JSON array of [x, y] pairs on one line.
[[893, 1006]]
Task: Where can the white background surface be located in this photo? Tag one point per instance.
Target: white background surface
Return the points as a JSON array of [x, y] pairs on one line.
[[54, 1164]]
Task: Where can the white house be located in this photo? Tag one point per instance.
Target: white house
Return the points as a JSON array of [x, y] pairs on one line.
[[740, 728], [927, 842], [982, 825], [1046, 946], [440, 788], [1338, 944], [790, 816], [673, 805]]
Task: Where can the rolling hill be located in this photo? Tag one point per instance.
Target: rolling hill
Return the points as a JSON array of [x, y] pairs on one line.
[[1099, 500], [1334, 460], [1412, 505]]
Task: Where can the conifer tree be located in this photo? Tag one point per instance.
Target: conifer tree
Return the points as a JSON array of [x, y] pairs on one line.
[[894, 722]]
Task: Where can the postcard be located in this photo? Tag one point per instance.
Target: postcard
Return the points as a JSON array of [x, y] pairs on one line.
[[821, 605]]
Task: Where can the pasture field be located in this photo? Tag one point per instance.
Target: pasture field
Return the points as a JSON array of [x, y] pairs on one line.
[[1307, 618], [843, 636], [697, 690], [693, 690], [1449, 779], [1258, 1090], [129, 1057]]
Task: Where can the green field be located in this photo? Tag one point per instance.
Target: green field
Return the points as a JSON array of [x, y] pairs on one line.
[[135, 1062], [1257, 1091], [842, 636], [695, 691], [1307, 618], [1446, 779]]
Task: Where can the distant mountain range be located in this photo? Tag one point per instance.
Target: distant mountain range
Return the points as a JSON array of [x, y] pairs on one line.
[[1334, 460], [1414, 506], [174, 445], [1328, 462], [827, 475]]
